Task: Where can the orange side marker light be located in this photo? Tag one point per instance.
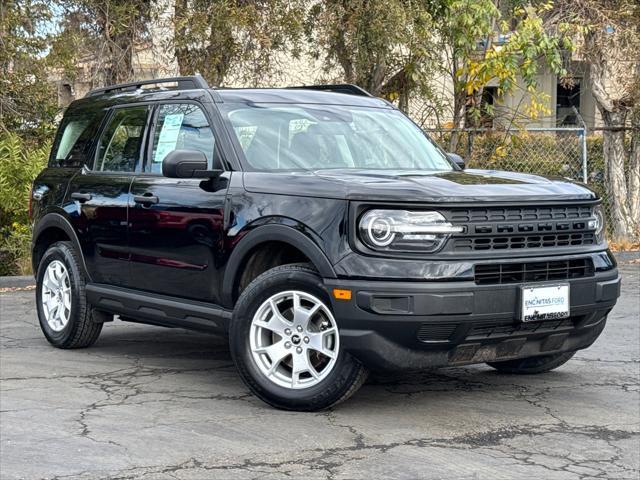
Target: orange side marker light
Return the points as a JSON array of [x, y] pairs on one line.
[[341, 294]]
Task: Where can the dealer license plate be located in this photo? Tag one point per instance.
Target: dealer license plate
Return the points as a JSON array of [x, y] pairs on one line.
[[546, 302]]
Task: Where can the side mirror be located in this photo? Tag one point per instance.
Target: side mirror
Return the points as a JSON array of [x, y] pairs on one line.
[[457, 159], [187, 164]]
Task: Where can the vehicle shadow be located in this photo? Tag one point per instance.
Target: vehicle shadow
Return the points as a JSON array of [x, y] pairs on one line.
[[156, 347]]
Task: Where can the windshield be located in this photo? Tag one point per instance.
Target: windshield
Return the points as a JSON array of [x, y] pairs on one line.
[[316, 137]]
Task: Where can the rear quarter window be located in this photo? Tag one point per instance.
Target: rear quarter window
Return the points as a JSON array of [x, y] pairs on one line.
[[74, 138]]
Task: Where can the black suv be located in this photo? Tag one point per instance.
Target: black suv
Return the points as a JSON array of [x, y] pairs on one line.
[[317, 226]]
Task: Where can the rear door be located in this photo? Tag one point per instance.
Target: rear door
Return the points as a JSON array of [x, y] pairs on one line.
[[98, 196], [176, 225]]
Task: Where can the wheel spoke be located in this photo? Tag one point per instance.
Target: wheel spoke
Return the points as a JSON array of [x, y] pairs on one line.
[[317, 343], [46, 282], [62, 314], [53, 311], [66, 300], [301, 364], [277, 323], [276, 352], [51, 271], [301, 315], [58, 274]]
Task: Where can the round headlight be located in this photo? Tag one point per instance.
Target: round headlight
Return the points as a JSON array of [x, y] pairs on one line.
[[379, 229], [599, 215], [405, 230]]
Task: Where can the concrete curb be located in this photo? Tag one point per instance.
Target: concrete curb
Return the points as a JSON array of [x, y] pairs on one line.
[[627, 257], [17, 281]]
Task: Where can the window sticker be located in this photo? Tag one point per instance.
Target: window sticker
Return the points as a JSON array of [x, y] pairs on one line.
[[168, 136]]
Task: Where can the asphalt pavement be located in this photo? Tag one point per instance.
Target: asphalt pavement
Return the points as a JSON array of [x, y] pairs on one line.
[[153, 403]]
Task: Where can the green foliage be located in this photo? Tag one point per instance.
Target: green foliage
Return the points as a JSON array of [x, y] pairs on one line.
[[483, 46], [19, 165], [211, 37], [384, 47], [28, 103], [107, 32]]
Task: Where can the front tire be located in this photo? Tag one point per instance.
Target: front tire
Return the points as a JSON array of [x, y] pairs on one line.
[[65, 317], [285, 342], [533, 365]]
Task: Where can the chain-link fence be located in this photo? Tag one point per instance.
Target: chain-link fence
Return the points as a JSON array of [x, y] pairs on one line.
[[563, 152]]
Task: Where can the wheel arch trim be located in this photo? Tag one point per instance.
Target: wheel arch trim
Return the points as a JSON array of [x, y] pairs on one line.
[[270, 233], [56, 220]]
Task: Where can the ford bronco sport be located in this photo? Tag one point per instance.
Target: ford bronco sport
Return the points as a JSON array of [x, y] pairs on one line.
[[319, 228]]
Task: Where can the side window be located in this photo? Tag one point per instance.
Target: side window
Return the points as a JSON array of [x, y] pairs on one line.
[[74, 137], [121, 141], [181, 126]]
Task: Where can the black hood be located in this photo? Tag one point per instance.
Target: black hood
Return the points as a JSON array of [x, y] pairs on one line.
[[417, 186]]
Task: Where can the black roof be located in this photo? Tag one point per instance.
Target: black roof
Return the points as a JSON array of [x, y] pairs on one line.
[[296, 95], [194, 87]]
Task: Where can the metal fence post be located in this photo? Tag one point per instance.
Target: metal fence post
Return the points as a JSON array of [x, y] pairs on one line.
[[585, 170], [583, 138]]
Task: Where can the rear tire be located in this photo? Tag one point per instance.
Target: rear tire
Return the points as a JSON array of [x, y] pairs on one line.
[[65, 316], [533, 365], [292, 361]]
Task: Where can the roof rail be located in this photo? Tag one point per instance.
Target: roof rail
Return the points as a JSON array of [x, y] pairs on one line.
[[183, 83], [338, 88]]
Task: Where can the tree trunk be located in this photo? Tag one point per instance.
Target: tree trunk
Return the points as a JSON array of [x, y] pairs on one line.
[[182, 52], [459, 100], [614, 156], [634, 180]]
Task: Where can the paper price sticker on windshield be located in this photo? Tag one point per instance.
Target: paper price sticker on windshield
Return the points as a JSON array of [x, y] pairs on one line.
[[168, 137]]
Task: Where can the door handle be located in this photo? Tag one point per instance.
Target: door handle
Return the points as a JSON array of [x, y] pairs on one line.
[[81, 197], [146, 199]]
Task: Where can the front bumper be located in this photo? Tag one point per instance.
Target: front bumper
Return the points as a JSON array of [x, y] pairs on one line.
[[392, 325]]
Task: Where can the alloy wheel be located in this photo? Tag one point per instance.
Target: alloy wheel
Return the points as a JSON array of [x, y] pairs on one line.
[[294, 339], [56, 295]]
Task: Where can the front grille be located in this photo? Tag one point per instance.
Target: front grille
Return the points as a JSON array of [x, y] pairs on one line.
[[517, 228], [504, 330], [443, 332], [436, 332], [528, 241], [499, 273], [499, 214]]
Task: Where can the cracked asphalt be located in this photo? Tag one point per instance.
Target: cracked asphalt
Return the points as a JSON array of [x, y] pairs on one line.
[[153, 403]]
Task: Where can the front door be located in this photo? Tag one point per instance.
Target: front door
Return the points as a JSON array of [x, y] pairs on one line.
[[176, 225], [98, 196]]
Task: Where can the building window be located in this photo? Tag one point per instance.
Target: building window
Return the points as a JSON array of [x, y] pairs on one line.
[[568, 102], [487, 105]]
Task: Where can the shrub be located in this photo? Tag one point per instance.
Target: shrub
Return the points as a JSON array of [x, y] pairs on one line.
[[20, 163]]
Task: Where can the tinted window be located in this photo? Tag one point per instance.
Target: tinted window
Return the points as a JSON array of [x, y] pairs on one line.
[[121, 142], [180, 126], [74, 137], [314, 137]]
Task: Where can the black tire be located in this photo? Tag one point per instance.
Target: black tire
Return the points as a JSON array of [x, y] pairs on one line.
[[82, 330], [347, 375], [533, 365]]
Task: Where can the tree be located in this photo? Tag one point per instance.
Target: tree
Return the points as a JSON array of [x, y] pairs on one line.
[[383, 47], [607, 36], [28, 103], [212, 37], [480, 45], [105, 34]]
